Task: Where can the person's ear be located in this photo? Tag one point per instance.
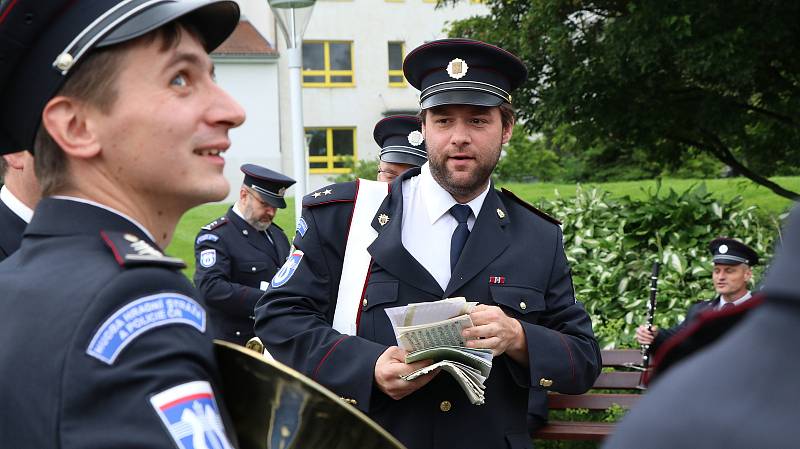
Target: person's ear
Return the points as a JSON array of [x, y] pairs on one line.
[[70, 124], [507, 132]]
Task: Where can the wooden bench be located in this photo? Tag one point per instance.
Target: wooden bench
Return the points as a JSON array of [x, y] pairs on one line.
[[622, 378]]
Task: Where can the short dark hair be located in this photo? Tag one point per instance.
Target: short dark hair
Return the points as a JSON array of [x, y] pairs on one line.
[[94, 81], [507, 115]]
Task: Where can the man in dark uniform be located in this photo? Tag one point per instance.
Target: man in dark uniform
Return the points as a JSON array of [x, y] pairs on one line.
[[402, 145], [492, 248], [18, 196], [741, 391], [104, 342], [732, 271], [239, 253]]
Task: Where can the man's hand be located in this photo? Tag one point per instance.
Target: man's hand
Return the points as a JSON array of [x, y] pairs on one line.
[[644, 336], [495, 330], [391, 365]]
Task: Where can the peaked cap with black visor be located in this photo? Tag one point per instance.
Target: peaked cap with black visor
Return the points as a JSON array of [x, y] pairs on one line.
[[463, 71], [43, 41], [401, 140]]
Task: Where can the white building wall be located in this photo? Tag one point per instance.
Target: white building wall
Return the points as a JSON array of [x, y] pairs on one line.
[[370, 25], [254, 84]]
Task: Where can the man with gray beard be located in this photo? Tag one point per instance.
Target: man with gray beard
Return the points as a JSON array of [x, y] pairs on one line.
[[239, 253]]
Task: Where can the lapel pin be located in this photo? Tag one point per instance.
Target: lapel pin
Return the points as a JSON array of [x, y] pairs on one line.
[[500, 213], [497, 279], [244, 231], [383, 219]]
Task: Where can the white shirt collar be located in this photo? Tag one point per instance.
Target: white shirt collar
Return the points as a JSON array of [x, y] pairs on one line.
[[238, 212], [438, 201], [18, 207], [739, 301], [110, 209]]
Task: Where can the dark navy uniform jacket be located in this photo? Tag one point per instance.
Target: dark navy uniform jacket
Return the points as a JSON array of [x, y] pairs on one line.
[[740, 392], [242, 259], [95, 323], [294, 319], [11, 227], [694, 310]]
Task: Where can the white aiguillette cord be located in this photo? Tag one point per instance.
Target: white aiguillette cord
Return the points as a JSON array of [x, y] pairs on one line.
[[370, 195]]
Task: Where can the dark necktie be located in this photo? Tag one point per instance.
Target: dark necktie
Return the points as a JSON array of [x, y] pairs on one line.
[[461, 213], [727, 306]]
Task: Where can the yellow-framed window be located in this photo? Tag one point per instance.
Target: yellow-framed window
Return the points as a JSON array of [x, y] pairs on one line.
[[328, 64], [397, 51], [331, 149], [429, 1]]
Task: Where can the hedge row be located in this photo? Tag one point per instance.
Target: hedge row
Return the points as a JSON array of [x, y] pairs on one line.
[[612, 244]]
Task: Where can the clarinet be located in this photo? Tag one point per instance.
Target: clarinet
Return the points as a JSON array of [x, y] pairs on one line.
[[651, 311]]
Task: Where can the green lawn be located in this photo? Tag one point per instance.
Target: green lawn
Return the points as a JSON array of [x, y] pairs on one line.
[[183, 243]]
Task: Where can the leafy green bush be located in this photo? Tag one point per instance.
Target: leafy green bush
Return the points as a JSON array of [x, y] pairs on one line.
[[363, 168], [612, 243]]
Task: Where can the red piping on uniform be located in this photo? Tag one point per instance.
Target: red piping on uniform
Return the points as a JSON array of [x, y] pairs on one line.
[[363, 292], [316, 370], [569, 351], [110, 244], [8, 10], [186, 399], [330, 202]]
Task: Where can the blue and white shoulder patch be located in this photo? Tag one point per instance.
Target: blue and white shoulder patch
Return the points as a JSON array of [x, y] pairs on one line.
[[190, 413], [302, 227], [208, 257], [287, 270], [205, 237], [139, 316]]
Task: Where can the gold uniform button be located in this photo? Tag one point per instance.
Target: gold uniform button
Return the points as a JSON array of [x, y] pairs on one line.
[[522, 305], [545, 382], [445, 406], [364, 302]]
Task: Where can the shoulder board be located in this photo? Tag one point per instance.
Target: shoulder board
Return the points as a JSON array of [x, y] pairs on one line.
[[215, 224], [529, 206], [131, 251], [335, 193]]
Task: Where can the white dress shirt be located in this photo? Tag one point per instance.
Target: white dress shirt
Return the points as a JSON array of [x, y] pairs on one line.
[[739, 301], [18, 207], [427, 224]]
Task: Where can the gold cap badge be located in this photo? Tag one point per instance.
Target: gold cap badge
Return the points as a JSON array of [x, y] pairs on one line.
[[383, 219], [457, 68]]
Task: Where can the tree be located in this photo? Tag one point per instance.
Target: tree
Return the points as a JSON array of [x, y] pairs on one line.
[[527, 159], [669, 76]]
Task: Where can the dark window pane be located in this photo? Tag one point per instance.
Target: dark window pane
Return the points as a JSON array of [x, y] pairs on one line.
[[340, 56], [314, 56], [317, 165], [395, 56], [343, 142], [341, 79], [317, 145], [395, 78], [313, 79], [342, 164]]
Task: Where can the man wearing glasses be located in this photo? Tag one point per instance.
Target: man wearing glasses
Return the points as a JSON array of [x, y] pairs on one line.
[[239, 253]]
